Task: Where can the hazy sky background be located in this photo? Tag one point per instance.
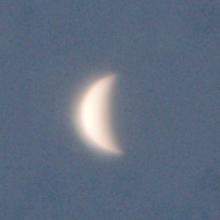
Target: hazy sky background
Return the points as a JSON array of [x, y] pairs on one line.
[[167, 109]]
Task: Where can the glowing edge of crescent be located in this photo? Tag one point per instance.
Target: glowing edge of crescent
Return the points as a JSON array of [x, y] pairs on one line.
[[94, 116]]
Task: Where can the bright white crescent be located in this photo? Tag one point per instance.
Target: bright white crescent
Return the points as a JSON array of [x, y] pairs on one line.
[[94, 116]]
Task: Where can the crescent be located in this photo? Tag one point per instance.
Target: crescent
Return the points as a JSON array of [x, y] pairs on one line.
[[94, 117]]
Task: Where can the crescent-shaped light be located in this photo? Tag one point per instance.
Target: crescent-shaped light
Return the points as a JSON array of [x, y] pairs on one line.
[[94, 116]]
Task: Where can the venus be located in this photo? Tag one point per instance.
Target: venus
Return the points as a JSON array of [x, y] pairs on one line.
[[94, 116]]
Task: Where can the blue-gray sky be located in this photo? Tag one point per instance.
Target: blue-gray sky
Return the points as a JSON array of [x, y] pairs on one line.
[[167, 105]]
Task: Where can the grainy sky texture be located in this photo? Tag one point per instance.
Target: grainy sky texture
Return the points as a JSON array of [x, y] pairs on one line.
[[167, 109]]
